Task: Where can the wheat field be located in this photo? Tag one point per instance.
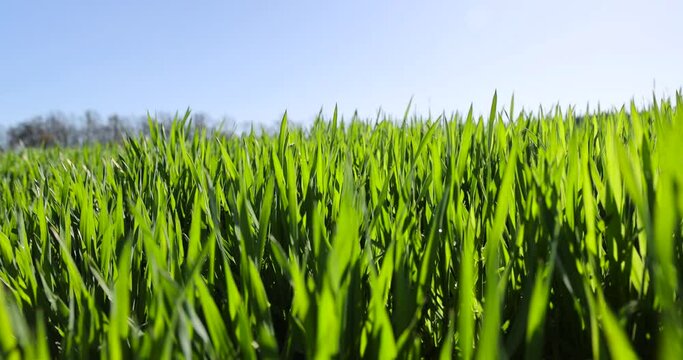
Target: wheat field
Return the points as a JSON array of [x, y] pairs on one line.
[[516, 234]]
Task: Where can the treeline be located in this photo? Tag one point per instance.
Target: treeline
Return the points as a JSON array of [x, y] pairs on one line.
[[57, 129]]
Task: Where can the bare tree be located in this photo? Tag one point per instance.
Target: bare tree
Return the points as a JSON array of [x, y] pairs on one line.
[[28, 133], [115, 128], [3, 138], [56, 129], [59, 130]]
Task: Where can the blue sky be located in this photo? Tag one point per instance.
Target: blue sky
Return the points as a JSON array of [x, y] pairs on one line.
[[251, 61]]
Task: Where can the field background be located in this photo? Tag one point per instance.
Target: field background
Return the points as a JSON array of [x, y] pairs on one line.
[[517, 234]]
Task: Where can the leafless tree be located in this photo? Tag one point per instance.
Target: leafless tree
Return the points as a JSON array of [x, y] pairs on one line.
[[92, 124], [53, 130], [116, 128], [56, 129]]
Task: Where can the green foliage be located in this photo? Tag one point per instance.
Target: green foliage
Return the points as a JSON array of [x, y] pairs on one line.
[[541, 236]]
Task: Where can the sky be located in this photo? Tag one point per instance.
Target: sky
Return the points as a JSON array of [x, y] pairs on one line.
[[250, 61]]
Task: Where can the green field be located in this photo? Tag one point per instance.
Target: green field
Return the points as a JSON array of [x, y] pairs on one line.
[[515, 234]]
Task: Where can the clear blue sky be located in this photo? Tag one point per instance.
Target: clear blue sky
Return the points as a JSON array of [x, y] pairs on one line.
[[252, 61]]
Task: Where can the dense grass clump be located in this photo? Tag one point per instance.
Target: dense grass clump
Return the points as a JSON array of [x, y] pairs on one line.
[[537, 235]]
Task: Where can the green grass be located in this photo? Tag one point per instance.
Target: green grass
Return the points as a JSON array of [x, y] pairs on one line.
[[538, 236]]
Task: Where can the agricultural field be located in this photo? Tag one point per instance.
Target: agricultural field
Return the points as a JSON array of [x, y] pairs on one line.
[[515, 234]]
